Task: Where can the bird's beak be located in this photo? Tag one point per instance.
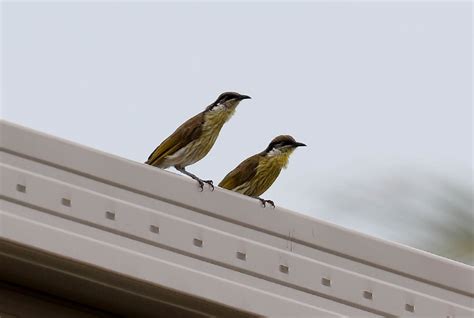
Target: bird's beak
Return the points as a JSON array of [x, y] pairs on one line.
[[299, 144], [241, 97]]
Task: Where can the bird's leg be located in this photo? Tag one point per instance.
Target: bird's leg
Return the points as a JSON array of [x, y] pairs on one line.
[[264, 202], [199, 180]]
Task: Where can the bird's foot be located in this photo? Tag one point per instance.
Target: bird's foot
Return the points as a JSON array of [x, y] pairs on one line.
[[210, 183], [201, 184], [199, 180], [264, 202]]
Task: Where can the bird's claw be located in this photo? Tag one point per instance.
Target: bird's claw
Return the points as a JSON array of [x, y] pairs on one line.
[[264, 202], [271, 203], [201, 184], [210, 183]]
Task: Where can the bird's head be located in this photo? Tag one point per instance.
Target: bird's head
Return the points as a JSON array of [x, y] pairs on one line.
[[227, 101], [283, 144]]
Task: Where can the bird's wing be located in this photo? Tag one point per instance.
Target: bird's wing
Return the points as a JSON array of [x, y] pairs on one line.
[[183, 135], [245, 171]]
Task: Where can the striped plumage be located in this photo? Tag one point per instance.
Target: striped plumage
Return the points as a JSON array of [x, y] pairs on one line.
[[175, 151], [257, 173], [192, 141]]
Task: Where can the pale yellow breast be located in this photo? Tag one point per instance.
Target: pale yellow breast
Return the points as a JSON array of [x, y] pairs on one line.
[[200, 147]]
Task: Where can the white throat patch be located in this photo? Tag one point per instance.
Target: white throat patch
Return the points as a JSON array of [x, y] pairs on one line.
[[274, 152], [218, 108]]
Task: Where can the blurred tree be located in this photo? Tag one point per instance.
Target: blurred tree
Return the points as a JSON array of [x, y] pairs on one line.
[[431, 213]]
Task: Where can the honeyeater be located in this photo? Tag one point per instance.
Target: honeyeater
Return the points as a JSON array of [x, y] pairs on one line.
[[191, 141], [257, 173]]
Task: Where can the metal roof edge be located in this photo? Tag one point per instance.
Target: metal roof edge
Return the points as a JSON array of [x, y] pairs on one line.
[[237, 209]]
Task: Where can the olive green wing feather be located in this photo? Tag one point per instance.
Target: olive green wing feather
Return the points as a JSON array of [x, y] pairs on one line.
[[244, 172], [182, 136]]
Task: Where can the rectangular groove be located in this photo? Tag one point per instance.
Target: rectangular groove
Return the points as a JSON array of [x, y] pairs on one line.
[[21, 188], [410, 308], [155, 229], [197, 242], [242, 256], [284, 269], [367, 294], [66, 202], [326, 282], [110, 215]]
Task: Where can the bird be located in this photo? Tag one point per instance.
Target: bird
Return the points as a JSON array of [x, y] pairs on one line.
[[254, 175], [192, 141]]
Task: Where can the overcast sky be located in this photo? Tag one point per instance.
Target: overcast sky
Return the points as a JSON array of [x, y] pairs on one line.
[[371, 88]]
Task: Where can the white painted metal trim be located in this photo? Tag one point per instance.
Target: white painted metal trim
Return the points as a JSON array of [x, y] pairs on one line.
[[130, 263], [158, 208]]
